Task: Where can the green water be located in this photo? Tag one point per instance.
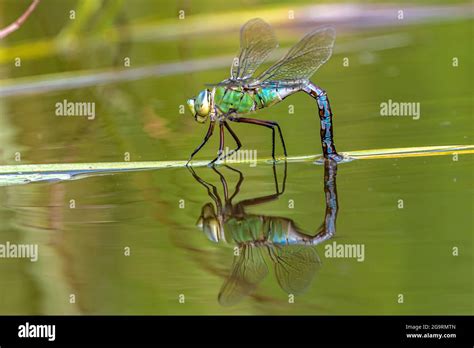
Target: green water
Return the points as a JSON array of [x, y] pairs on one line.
[[410, 214]]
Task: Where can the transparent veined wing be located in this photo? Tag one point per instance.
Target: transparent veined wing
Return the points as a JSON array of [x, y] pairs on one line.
[[303, 59], [257, 40], [248, 270], [295, 266]]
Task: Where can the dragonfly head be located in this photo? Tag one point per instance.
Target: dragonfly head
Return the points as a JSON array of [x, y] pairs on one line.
[[200, 106], [209, 223]]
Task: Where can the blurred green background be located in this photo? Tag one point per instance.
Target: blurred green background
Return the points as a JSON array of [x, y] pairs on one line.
[[408, 251]]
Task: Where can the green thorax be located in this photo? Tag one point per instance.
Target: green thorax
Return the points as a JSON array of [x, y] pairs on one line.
[[243, 101], [255, 228]]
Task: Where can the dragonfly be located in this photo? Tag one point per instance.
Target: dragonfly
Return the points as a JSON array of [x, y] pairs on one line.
[[289, 248], [244, 93]]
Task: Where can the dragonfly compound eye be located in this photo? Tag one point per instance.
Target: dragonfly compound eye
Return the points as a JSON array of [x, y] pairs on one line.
[[211, 229], [202, 104]]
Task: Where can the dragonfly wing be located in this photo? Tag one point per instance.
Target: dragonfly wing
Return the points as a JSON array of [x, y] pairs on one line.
[[295, 266], [248, 270], [303, 59], [257, 40]]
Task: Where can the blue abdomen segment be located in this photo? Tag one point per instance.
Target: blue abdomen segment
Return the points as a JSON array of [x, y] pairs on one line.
[[325, 116], [281, 231], [267, 96]]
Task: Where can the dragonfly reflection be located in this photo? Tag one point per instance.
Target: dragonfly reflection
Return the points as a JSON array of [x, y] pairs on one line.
[[289, 248]]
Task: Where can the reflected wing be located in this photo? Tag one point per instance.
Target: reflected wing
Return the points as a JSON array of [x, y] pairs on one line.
[[248, 270], [295, 266], [257, 40], [303, 59]]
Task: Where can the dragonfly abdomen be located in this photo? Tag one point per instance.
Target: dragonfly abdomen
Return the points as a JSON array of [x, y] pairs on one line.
[[280, 231], [257, 229], [283, 231], [266, 97], [269, 96]]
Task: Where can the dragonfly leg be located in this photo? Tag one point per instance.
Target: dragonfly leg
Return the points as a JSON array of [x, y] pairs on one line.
[[239, 183], [284, 178], [221, 144], [206, 138], [268, 124], [325, 116], [237, 140], [211, 189], [281, 138], [267, 198], [223, 182]]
